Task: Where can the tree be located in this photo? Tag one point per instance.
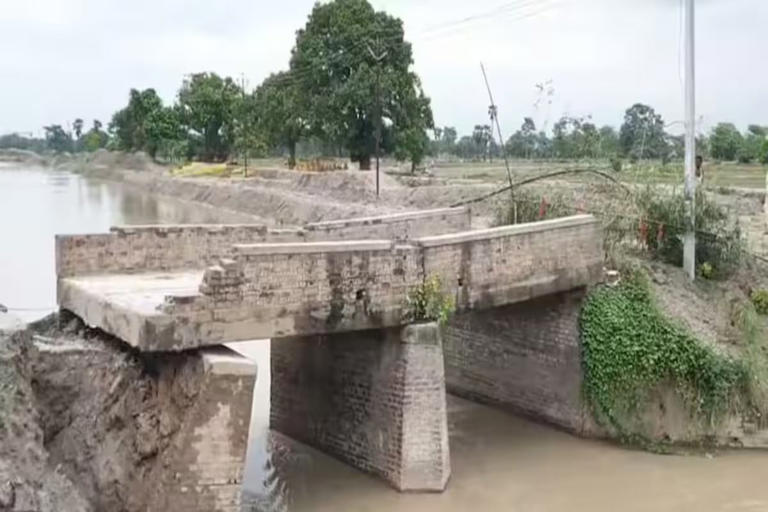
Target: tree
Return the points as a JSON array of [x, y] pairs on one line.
[[642, 134], [165, 134], [481, 136], [95, 138], [609, 141], [279, 111], [77, 126], [752, 146], [129, 125], [20, 141], [57, 139], [565, 137], [413, 116], [445, 140], [206, 104], [725, 142], [352, 66], [466, 148]]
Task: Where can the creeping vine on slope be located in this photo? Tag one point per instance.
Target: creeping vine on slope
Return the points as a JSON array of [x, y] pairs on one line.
[[630, 348]]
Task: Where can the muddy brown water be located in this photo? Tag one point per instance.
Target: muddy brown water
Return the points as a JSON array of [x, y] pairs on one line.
[[500, 462]]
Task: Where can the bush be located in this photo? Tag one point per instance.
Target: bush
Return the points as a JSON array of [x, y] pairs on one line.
[[617, 164], [663, 222], [428, 303], [529, 207], [760, 301]]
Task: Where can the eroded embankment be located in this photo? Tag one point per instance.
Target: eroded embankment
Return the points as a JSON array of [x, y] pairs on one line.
[[275, 196], [85, 425]]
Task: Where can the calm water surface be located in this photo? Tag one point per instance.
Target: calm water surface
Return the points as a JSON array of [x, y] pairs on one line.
[[500, 462]]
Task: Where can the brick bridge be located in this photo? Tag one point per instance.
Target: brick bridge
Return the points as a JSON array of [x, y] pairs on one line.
[[347, 376]]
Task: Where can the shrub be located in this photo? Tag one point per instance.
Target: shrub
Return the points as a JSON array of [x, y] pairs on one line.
[[706, 270], [663, 222], [617, 164], [528, 207], [428, 303], [760, 301]]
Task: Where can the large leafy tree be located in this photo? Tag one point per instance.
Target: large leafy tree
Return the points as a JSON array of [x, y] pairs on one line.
[[279, 110], [129, 125], [725, 141], [642, 134], [351, 65], [207, 104], [165, 134]]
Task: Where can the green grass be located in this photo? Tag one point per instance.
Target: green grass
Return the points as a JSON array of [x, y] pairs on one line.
[[725, 174]]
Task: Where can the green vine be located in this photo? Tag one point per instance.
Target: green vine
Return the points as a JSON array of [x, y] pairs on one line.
[[630, 349], [428, 303]]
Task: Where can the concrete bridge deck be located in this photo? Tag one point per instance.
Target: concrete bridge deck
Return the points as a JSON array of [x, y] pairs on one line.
[[269, 290]]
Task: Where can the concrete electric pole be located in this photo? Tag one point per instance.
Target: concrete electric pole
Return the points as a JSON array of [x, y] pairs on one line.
[[689, 239], [378, 58]]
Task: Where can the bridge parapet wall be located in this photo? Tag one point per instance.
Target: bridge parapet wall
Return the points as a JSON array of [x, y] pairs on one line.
[[127, 249], [277, 290], [510, 264], [158, 248]]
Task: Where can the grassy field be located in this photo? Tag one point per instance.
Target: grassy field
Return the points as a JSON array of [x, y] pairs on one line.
[[751, 176], [716, 174]]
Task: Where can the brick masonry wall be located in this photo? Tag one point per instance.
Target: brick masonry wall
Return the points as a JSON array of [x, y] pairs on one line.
[[294, 289], [158, 248], [525, 357], [203, 470], [175, 247], [504, 265], [374, 399], [399, 226]]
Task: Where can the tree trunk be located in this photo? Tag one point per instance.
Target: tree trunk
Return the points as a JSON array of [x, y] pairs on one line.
[[292, 154], [365, 162]]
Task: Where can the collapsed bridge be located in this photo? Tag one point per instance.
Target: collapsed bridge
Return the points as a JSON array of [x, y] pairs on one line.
[[349, 375]]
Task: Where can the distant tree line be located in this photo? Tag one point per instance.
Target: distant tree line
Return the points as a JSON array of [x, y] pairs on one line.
[[60, 140], [350, 88], [642, 136]]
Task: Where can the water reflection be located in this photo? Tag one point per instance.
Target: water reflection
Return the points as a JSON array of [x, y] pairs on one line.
[[36, 204], [505, 463]]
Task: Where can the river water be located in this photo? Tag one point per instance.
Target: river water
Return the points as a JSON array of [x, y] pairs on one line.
[[500, 462]]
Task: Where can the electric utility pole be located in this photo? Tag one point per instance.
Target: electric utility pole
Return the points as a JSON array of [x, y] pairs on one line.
[[493, 112], [378, 58], [689, 239], [243, 129]]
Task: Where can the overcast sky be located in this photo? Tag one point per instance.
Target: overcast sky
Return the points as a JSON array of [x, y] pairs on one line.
[[62, 59]]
